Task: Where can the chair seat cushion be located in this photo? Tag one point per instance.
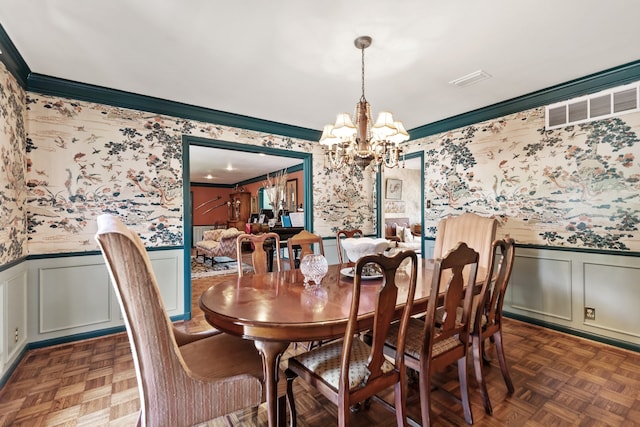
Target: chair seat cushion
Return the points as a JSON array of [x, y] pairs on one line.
[[324, 361], [224, 356], [415, 339], [209, 245], [440, 316]]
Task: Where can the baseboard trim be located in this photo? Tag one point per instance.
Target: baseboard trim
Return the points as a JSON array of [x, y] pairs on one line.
[[572, 331]]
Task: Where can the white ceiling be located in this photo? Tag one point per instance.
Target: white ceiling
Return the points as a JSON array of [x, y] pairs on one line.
[[294, 62]]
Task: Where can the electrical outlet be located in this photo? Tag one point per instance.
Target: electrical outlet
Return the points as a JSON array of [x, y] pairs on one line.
[[589, 313], [15, 338]]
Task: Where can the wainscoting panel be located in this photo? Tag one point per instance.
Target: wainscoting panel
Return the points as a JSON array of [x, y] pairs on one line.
[[555, 287], [541, 285], [168, 273], [71, 297], [13, 315], [16, 313], [614, 293], [331, 251]]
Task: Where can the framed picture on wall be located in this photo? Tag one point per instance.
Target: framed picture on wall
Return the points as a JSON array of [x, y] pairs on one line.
[[290, 197], [393, 189]]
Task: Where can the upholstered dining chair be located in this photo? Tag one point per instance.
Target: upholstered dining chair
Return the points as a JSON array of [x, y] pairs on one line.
[[476, 231], [487, 318], [305, 241], [182, 379], [259, 256], [349, 371], [345, 234], [429, 347]]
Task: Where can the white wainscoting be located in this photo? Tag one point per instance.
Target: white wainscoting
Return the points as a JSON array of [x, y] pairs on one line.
[[614, 291], [73, 295], [13, 315], [556, 286], [542, 286]]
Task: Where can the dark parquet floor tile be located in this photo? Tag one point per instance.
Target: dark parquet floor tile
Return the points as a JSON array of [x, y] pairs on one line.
[[560, 380]]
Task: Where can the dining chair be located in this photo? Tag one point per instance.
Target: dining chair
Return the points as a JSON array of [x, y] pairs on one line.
[[431, 348], [183, 379], [259, 257], [349, 371], [305, 241], [345, 234], [487, 318], [476, 231]]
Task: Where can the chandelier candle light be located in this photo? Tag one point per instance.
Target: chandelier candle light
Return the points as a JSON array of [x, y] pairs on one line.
[[362, 144]]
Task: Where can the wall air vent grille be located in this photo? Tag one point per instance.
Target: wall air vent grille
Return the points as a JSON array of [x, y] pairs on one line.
[[597, 106]]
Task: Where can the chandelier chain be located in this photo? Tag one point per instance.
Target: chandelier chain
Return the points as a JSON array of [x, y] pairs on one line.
[[362, 98]]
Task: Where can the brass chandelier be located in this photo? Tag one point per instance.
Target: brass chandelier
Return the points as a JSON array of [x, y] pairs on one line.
[[362, 144]]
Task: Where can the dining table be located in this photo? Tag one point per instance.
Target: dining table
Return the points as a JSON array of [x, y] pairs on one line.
[[275, 309]]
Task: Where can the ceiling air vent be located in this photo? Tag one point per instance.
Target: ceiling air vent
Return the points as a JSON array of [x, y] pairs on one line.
[[597, 106], [470, 78]]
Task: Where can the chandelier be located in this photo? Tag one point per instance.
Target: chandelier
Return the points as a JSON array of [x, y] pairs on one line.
[[364, 144]]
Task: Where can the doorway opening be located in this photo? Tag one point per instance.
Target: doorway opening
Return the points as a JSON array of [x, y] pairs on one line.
[[222, 149]]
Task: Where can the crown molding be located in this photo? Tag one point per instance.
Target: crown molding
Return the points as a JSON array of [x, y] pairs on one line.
[[592, 83], [47, 85], [70, 89], [12, 59]]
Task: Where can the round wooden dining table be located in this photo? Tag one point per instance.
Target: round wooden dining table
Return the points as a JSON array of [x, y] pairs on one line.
[[275, 309]]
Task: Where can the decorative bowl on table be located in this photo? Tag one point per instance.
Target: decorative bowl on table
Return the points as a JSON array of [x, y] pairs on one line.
[[313, 267], [357, 247]]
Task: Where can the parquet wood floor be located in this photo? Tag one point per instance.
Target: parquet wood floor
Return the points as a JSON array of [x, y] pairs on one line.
[[560, 380]]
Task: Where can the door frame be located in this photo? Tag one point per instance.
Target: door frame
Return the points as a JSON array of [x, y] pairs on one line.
[[187, 141]]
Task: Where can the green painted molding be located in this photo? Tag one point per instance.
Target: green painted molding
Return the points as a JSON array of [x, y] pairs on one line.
[[12, 59], [101, 95], [621, 75]]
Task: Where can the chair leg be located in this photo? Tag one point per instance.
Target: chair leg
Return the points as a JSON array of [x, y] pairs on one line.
[[477, 353], [282, 411], [503, 361], [485, 359], [463, 377], [425, 394], [401, 402], [344, 413], [290, 400]]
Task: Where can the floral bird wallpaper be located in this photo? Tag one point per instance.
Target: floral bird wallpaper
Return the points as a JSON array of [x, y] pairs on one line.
[[13, 192], [64, 162], [574, 187], [86, 159]]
